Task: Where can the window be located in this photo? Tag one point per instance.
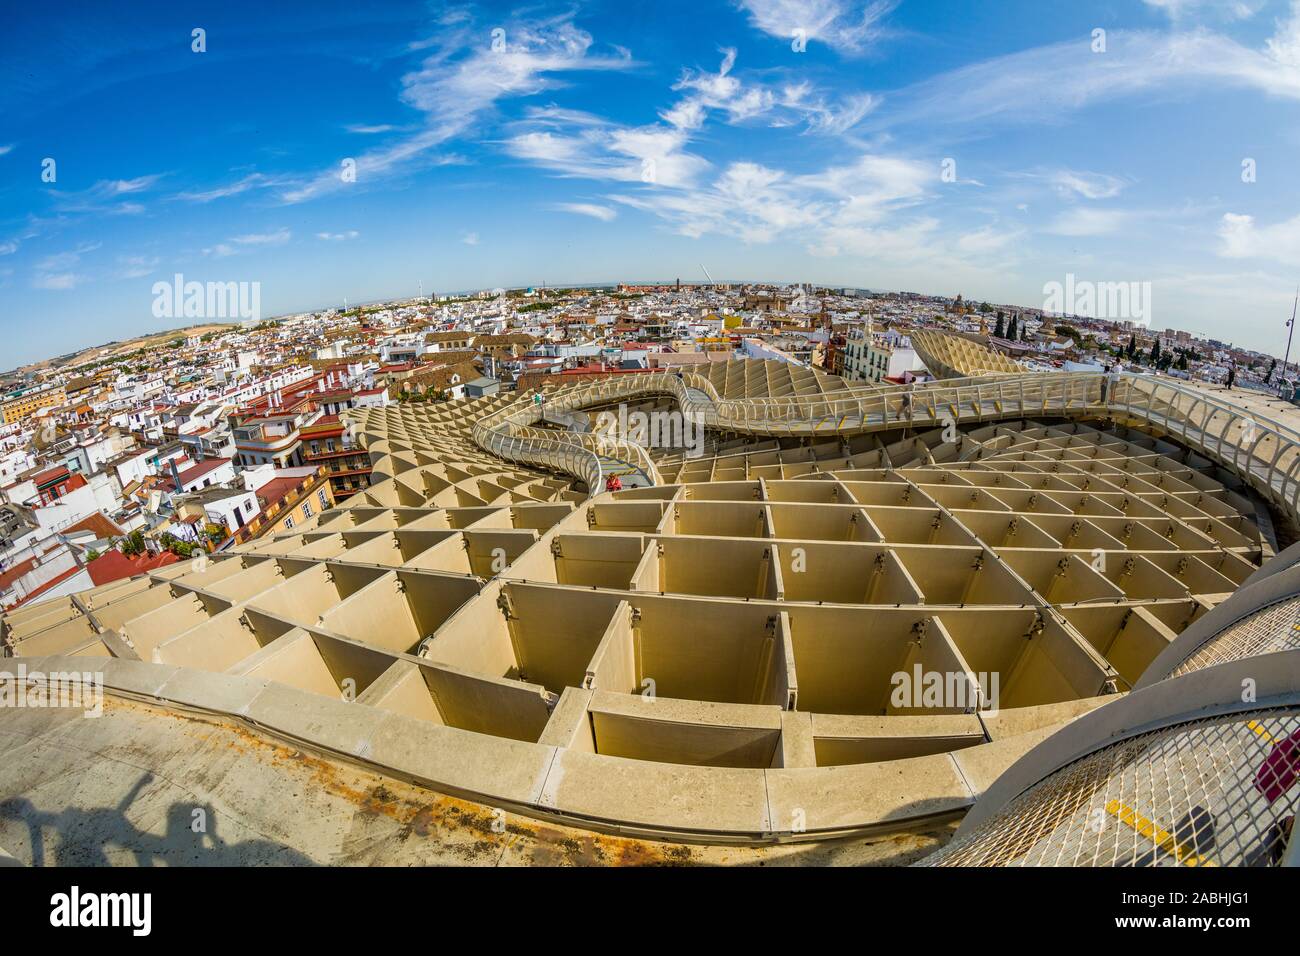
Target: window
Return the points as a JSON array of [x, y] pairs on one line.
[[288, 522], [324, 502], [306, 509]]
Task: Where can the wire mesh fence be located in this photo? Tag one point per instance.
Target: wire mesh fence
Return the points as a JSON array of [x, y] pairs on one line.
[[1220, 791], [1267, 631]]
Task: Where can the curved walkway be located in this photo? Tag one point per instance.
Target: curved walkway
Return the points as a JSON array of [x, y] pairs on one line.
[[1263, 452]]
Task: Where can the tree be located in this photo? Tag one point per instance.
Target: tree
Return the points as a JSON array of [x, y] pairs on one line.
[[1000, 330], [1271, 369], [1155, 353], [1131, 351], [1011, 330], [133, 543]]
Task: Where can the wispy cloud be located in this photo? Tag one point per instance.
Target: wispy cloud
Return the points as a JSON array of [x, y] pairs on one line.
[[242, 185], [1091, 221], [106, 196], [338, 236], [470, 239], [1045, 84], [58, 282], [777, 105], [136, 267], [67, 259], [1182, 10], [6, 149], [1086, 185], [847, 26], [249, 241], [464, 78], [654, 155], [57, 273], [603, 213], [277, 238]]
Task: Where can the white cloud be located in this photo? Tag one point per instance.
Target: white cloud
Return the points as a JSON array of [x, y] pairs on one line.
[[756, 203], [277, 238], [65, 260], [577, 144], [1088, 185], [780, 106], [748, 201], [1090, 221], [470, 239], [1179, 10], [254, 240], [8, 247], [58, 282], [105, 196], [136, 267], [650, 154], [603, 213], [988, 240], [845, 25], [1041, 84], [338, 236], [6, 149], [454, 89], [1241, 238], [251, 181], [366, 130]]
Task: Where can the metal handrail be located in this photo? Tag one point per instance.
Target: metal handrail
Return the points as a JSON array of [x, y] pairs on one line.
[[1261, 450]]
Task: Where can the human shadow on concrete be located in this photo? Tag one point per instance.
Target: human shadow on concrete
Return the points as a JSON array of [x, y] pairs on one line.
[[83, 837]]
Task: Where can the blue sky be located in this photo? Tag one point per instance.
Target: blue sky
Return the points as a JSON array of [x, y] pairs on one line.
[[511, 145]]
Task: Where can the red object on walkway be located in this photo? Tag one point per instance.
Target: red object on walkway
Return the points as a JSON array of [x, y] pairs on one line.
[[613, 484], [1280, 769]]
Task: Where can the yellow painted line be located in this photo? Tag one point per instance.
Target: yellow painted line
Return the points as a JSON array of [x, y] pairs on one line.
[[1156, 834], [1256, 726]]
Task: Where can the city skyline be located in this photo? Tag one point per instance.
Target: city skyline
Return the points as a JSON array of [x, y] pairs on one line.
[[892, 146]]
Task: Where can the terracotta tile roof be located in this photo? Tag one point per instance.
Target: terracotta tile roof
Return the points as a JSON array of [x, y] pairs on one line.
[[113, 565], [49, 475], [97, 523]]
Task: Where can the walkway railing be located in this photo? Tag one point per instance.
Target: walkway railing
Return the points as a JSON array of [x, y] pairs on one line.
[[1265, 453]]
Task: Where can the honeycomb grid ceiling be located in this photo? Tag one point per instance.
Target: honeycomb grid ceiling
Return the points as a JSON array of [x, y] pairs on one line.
[[762, 580]]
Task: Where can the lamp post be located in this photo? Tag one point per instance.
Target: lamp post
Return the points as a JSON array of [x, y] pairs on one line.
[[1290, 332]]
